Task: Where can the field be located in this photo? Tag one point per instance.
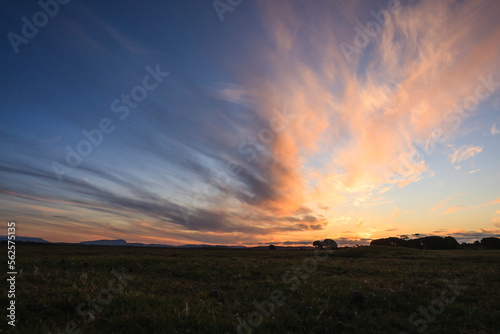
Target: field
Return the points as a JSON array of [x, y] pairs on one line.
[[86, 289]]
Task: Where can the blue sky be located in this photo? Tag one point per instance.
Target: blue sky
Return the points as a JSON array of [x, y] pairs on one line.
[[280, 122]]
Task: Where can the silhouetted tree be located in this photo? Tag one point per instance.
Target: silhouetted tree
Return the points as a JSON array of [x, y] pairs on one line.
[[330, 244], [451, 243], [432, 242], [318, 244], [327, 243], [272, 247], [392, 241], [435, 242], [490, 243]]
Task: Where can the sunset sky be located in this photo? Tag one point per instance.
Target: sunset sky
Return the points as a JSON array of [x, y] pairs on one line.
[[264, 122]]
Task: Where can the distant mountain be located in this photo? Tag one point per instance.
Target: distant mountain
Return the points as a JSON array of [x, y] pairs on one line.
[[26, 239], [119, 242], [122, 242]]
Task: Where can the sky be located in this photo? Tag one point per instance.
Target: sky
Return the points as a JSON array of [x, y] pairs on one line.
[[239, 122]]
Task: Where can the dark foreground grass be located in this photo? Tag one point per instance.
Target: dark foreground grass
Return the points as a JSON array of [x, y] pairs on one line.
[[150, 290]]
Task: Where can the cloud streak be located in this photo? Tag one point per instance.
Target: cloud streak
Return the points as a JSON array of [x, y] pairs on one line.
[[464, 153], [494, 130]]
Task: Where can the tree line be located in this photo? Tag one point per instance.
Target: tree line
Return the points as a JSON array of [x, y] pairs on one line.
[[436, 242]]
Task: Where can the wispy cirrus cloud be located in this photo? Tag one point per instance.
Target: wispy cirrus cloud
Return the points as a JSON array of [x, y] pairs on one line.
[[455, 208], [464, 152], [497, 201], [442, 203], [462, 207], [367, 121], [496, 219], [494, 130]]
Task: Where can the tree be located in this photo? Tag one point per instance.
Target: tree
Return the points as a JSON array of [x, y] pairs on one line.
[[392, 241], [451, 243], [327, 243], [272, 247], [330, 244], [491, 243], [318, 244]]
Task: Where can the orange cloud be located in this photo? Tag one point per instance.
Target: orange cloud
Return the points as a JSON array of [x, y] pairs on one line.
[[463, 207], [454, 208], [496, 219], [362, 118], [494, 202]]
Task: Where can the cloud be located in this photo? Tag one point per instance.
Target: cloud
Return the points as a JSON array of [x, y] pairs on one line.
[[454, 208], [497, 201], [360, 223], [496, 219], [231, 93], [343, 241], [464, 207], [384, 190], [166, 216], [474, 171], [299, 243], [494, 130], [368, 121], [469, 236], [396, 212], [99, 36], [442, 203], [464, 152]]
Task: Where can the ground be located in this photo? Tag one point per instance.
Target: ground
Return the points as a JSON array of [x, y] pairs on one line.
[[90, 289]]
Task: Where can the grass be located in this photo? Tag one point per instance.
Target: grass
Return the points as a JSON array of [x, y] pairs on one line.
[[208, 290]]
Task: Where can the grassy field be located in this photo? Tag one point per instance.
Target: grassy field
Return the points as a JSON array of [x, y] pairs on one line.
[[85, 289]]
